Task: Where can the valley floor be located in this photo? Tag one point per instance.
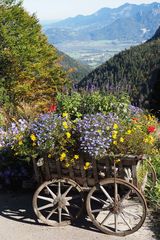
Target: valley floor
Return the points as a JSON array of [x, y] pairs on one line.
[[94, 53]]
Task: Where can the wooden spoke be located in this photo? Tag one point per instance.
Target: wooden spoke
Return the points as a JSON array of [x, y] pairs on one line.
[[45, 206], [107, 195], [126, 196], [100, 200], [115, 192], [108, 215], [52, 193], [59, 188], [100, 210], [116, 221], [46, 198], [67, 191], [67, 211], [131, 214], [127, 223], [60, 214], [51, 213]]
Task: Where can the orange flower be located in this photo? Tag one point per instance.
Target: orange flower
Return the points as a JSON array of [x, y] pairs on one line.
[[135, 120]]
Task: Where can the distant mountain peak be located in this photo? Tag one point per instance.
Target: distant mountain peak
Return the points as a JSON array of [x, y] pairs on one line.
[[136, 22], [102, 11]]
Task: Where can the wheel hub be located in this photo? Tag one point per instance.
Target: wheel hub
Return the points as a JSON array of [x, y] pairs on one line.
[[62, 202], [116, 208]]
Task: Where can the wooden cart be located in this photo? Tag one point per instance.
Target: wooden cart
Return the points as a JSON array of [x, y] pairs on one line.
[[114, 203]]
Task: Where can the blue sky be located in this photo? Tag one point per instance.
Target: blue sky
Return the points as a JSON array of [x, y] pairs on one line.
[[59, 9]]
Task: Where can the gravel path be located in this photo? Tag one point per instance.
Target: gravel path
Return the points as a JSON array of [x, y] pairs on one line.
[[17, 222]]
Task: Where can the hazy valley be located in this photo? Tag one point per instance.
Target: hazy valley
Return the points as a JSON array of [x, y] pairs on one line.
[[94, 53], [95, 38]]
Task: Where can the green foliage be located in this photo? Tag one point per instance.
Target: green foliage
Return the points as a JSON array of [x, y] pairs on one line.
[[156, 164], [9, 2], [153, 196], [77, 104], [153, 192], [29, 68]]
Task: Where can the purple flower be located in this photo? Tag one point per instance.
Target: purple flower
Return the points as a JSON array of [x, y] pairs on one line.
[[95, 133]]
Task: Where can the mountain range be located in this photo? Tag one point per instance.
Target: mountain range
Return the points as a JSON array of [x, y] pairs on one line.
[[135, 71], [127, 22]]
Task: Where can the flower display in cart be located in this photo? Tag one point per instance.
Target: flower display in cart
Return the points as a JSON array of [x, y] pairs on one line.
[[136, 137], [95, 133], [63, 136]]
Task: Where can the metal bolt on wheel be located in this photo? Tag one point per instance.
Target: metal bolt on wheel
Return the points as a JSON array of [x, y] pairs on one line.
[[58, 202], [116, 207]]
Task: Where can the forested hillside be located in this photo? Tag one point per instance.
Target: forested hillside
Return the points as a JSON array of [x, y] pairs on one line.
[[156, 35], [76, 70], [136, 71]]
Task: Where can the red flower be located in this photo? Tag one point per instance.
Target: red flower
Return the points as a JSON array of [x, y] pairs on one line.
[[151, 129], [53, 108]]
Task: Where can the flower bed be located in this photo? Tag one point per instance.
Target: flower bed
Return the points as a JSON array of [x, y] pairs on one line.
[[64, 136]]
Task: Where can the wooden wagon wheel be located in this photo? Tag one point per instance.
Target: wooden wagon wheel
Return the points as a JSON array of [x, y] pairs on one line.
[[116, 207], [58, 202]]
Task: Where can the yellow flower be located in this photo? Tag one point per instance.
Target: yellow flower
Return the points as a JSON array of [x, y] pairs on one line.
[[99, 130], [65, 125], [67, 165], [19, 137], [63, 156], [20, 143], [72, 160], [68, 135], [115, 142], [114, 136], [121, 139], [117, 161], [87, 165], [128, 132], [151, 139], [65, 114], [33, 137], [115, 132], [76, 156], [151, 118], [49, 155], [146, 140], [115, 126]]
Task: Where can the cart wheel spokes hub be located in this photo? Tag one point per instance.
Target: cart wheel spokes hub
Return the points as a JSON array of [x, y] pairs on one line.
[[116, 207], [58, 202]]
